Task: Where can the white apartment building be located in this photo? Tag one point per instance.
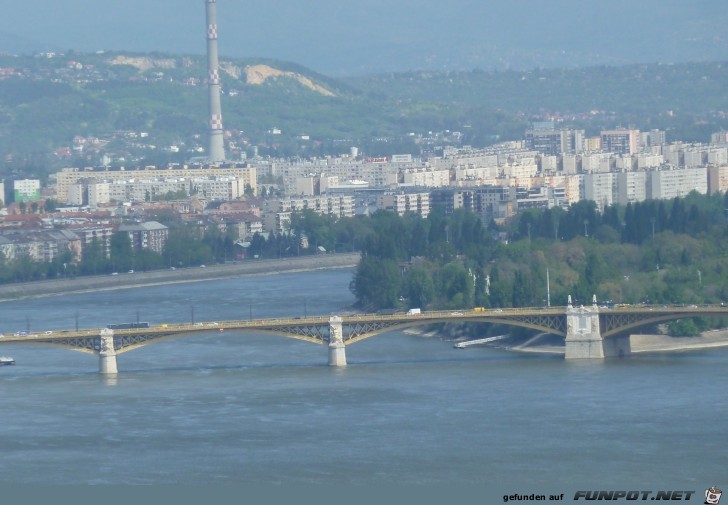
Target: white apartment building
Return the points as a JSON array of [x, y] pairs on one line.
[[98, 194], [718, 156], [146, 190], [220, 188], [277, 214], [419, 203], [600, 188], [525, 169], [646, 161], [480, 175], [426, 178], [631, 187], [549, 163], [72, 176], [596, 162], [75, 194], [571, 164], [666, 184], [694, 157], [26, 190]]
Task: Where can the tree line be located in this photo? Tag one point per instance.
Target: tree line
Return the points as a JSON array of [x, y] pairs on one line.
[[655, 252], [652, 252]]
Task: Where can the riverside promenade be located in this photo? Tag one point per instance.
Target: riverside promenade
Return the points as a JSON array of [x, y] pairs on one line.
[[179, 275]]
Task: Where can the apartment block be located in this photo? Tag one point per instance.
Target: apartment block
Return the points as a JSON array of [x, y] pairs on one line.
[[620, 141], [419, 203], [277, 214], [150, 235]]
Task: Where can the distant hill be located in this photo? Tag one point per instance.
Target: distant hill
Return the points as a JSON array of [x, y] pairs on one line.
[[670, 96], [46, 101], [14, 44], [373, 36]]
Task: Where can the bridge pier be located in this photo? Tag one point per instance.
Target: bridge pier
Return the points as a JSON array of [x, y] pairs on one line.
[[583, 338], [107, 353], [337, 348]]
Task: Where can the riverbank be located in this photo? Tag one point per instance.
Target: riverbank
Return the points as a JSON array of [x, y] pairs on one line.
[[551, 344], [181, 275], [640, 343]]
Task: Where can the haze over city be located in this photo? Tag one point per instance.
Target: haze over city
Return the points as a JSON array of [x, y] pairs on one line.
[[347, 38]]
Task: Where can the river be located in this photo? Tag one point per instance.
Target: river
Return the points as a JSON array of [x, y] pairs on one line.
[[243, 409]]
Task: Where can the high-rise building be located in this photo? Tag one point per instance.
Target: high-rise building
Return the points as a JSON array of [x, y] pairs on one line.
[[620, 141], [544, 138]]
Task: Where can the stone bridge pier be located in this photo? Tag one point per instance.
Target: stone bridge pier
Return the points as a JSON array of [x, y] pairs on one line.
[[107, 353], [584, 338], [337, 349]]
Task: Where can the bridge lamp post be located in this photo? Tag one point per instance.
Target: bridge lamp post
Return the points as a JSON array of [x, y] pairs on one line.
[[192, 314]]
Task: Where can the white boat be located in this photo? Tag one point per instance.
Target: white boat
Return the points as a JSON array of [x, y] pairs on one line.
[[6, 360]]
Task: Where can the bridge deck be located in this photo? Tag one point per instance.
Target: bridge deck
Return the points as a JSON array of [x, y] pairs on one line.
[[549, 319]]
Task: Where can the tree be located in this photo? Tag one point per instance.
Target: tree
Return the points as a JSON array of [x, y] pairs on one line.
[[683, 328], [455, 285], [417, 287], [122, 254], [94, 259], [522, 290], [376, 282]]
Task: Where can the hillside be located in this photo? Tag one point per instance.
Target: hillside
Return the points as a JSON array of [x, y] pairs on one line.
[[46, 101], [688, 99]]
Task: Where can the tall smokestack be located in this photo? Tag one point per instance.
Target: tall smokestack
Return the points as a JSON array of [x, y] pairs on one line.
[[216, 152]]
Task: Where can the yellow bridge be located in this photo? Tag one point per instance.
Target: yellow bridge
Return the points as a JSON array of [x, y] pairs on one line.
[[586, 329]]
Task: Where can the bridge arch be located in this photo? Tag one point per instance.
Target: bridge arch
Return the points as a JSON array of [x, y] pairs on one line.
[[584, 328], [359, 333]]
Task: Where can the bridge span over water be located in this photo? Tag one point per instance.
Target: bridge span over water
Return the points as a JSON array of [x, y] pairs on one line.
[[589, 332]]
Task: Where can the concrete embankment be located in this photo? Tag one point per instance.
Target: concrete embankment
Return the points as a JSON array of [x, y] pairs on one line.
[[180, 275], [643, 343]]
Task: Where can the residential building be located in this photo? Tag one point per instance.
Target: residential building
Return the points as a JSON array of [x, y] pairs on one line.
[[620, 141], [72, 176], [278, 212], [149, 235], [402, 202], [718, 179], [26, 190], [671, 183]]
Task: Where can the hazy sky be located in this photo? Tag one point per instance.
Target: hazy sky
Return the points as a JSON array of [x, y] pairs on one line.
[[338, 37]]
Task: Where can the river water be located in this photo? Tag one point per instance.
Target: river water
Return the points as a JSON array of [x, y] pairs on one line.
[[261, 409]]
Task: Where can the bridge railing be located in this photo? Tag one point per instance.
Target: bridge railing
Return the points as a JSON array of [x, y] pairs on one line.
[[478, 312]]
